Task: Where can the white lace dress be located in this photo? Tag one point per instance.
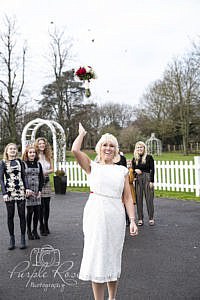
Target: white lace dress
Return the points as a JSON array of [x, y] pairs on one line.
[[104, 224]]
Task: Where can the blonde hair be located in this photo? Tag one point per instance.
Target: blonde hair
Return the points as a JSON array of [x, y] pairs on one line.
[[25, 154], [107, 137], [5, 154], [136, 154], [47, 149]]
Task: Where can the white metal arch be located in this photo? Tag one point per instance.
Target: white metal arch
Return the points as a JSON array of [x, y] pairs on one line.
[[154, 145], [59, 139]]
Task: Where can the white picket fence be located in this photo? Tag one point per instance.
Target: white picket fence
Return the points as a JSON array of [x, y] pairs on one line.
[[169, 175]]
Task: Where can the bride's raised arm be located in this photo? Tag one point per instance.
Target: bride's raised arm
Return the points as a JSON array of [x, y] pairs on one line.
[[81, 157]]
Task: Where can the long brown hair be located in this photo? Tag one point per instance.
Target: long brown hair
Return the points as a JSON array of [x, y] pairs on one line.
[[25, 154], [47, 149]]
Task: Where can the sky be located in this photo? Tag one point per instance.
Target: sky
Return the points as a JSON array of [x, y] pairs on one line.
[[128, 43]]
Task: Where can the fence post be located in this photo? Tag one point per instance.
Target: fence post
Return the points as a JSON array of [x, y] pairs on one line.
[[197, 174]]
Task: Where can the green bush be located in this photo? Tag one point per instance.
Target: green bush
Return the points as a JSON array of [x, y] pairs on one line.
[[60, 173]]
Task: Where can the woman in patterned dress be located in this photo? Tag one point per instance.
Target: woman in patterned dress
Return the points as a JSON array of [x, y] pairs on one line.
[[104, 215], [44, 152], [34, 173], [14, 187]]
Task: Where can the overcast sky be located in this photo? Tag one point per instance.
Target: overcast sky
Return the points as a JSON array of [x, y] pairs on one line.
[[134, 40]]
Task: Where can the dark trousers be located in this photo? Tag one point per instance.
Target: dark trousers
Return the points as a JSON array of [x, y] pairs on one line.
[[142, 188], [33, 213], [10, 205], [44, 212]]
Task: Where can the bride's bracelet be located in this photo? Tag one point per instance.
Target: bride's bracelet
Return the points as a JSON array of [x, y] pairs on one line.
[[132, 219]]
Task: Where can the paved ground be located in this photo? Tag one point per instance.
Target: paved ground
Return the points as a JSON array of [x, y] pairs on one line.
[[163, 262]]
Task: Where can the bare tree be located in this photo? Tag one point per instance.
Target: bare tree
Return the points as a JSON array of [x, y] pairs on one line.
[[182, 79], [118, 115], [11, 77], [155, 114], [60, 55], [128, 138], [170, 104]]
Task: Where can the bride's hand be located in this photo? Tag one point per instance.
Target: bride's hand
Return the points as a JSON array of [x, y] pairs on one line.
[[81, 130]]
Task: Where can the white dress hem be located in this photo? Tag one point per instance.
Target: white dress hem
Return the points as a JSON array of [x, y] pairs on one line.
[[98, 280]]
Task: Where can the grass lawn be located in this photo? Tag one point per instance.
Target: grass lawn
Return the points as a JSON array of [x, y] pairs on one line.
[[173, 156], [177, 195], [164, 157]]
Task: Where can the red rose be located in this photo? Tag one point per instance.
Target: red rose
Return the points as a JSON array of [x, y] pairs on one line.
[[81, 71]]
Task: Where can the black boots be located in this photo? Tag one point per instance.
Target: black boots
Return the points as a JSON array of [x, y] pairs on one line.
[[12, 243], [42, 230], [23, 242], [30, 235], [46, 228], [35, 235]]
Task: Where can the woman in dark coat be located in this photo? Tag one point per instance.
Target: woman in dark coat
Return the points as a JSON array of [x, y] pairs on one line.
[[143, 165]]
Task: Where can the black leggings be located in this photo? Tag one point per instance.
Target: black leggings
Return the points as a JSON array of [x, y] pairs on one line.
[[44, 212], [10, 205], [33, 212]]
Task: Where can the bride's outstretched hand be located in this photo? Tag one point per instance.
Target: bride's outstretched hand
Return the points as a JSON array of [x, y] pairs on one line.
[[81, 130]]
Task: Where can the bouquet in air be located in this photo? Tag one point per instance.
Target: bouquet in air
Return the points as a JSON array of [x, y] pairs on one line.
[[86, 74]]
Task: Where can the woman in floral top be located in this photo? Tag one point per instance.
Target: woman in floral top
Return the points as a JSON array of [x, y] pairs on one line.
[[14, 187], [44, 152]]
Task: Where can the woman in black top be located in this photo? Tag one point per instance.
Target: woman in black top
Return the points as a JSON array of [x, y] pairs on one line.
[[34, 173], [143, 164], [122, 161], [14, 187]]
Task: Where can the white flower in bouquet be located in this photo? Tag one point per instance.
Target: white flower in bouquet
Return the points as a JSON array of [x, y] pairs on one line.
[[86, 74]]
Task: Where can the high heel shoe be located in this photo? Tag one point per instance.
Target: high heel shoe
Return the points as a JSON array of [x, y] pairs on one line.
[[151, 222], [140, 223]]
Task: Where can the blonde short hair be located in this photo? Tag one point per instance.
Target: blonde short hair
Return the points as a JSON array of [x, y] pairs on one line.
[[107, 137]]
